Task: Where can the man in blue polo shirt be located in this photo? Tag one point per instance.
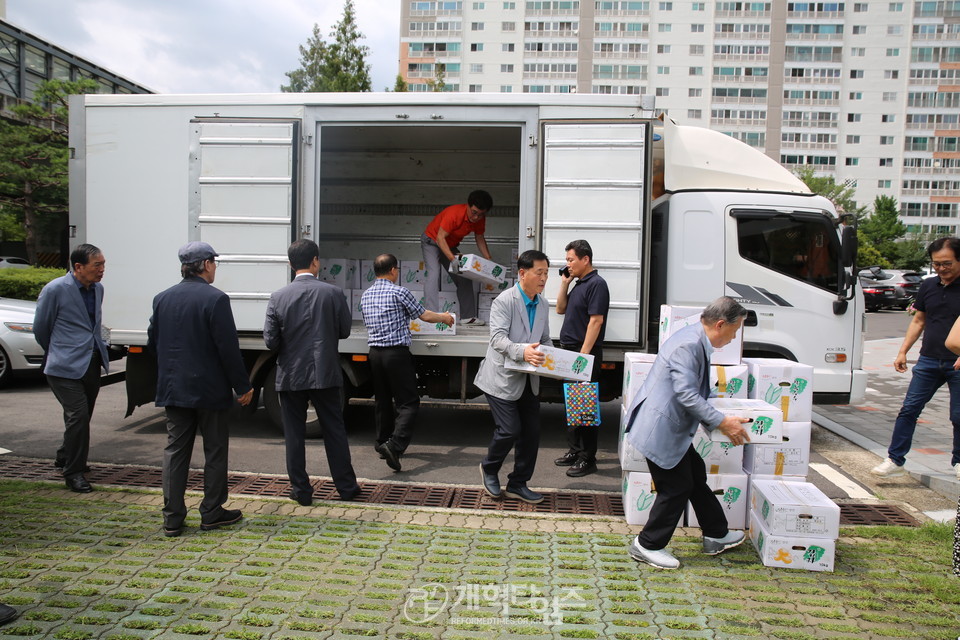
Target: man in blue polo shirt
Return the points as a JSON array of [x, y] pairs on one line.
[[387, 311], [584, 310], [938, 306]]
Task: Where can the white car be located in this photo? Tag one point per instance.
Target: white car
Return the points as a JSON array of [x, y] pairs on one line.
[[10, 262], [19, 351]]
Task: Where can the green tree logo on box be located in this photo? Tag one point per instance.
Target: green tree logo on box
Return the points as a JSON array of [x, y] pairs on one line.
[[772, 396], [731, 495], [797, 387], [411, 276], [760, 541], [761, 425], [726, 446], [371, 276], [813, 553], [579, 364], [442, 327], [463, 261]]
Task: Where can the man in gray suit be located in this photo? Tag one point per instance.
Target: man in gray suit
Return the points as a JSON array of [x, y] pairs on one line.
[[67, 327], [304, 324], [518, 325], [663, 420]]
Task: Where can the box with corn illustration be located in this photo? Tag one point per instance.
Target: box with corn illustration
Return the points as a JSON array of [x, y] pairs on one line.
[[783, 383], [474, 267], [420, 328], [765, 420], [559, 363]]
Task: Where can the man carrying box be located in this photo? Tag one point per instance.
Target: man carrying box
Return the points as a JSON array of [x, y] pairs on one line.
[[387, 311], [584, 311], [439, 243], [518, 325], [663, 419]]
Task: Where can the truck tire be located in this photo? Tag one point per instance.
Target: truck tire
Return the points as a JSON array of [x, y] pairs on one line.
[[271, 402]]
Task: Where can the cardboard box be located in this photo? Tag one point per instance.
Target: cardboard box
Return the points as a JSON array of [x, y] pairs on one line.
[[630, 458], [420, 328], [766, 421], [788, 552], [367, 275], [638, 495], [731, 492], [341, 272], [560, 364], [490, 287], [719, 457], [354, 301], [412, 274], [794, 509], [783, 383], [729, 380], [449, 303], [484, 302], [636, 366], [479, 269], [674, 317], [788, 458]]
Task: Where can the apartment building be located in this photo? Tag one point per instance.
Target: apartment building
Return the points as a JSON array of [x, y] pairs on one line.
[[868, 92]]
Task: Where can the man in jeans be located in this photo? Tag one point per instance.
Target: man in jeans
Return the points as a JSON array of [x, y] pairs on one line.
[[937, 305]]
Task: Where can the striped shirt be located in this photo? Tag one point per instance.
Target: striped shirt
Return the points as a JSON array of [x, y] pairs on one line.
[[387, 311]]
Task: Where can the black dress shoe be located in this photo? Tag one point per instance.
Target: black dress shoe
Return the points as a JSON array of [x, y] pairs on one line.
[[391, 456], [490, 482], [227, 517], [567, 459], [304, 501], [351, 496], [7, 614], [582, 468], [172, 533], [521, 492], [78, 484]]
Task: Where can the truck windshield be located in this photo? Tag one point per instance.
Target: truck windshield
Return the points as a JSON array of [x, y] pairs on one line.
[[802, 246]]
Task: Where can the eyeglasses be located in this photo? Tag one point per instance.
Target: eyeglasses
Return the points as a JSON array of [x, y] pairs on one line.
[[477, 212], [942, 265], [215, 262]]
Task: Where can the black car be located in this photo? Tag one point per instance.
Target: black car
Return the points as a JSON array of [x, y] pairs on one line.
[[906, 284], [877, 296]]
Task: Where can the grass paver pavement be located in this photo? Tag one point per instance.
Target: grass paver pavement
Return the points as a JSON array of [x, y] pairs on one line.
[[97, 566]]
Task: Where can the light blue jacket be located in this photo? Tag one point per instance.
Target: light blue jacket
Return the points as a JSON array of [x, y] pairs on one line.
[[510, 333], [62, 328], [672, 400]]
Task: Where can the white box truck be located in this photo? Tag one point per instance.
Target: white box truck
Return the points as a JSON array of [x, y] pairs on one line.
[[676, 215]]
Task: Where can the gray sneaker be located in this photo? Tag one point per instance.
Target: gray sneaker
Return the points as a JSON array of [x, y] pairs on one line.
[[713, 546], [661, 559]]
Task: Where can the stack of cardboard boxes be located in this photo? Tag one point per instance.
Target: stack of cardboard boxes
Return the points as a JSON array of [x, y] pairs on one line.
[[777, 396]]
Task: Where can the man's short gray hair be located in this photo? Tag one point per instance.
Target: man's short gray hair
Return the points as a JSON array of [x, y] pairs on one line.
[[723, 308]]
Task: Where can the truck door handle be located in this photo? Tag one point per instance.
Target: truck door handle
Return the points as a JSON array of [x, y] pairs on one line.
[[751, 319]]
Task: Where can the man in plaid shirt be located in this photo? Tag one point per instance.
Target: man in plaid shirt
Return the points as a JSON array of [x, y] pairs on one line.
[[387, 311]]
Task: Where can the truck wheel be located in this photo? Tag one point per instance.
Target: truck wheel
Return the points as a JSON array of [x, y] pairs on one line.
[[271, 402]]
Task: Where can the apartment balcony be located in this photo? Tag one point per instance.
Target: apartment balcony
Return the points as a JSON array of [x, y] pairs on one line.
[[787, 147], [814, 37], [737, 35], [928, 192], [530, 56], [811, 80], [807, 125], [807, 15], [742, 14], [620, 55], [810, 102], [737, 100], [567, 33], [741, 57], [432, 74], [833, 58], [605, 34], [738, 122], [826, 168], [449, 33], [639, 78], [547, 15], [618, 14], [550, 75], [742, 79], [434, 54]]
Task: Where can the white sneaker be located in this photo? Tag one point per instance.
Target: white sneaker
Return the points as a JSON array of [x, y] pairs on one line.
[[888, 469], [473, 322], [661, 559], [956, 468], [713, 546]]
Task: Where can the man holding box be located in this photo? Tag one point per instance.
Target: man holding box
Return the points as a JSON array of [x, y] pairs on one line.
[[663, 419], [439, 243], [584, 311], [387, 311], [518, 325]]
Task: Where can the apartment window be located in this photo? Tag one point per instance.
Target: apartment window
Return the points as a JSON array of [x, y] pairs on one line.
[[696, 49], [895, 6], [856, 95], [893, 53], [890, 117], [884, 184], [509, 6], [475, 88], [696, 28], [665, 6], [699, 6], [508, 26], [476, 68], [663, 70], [506, 68], [663, 48], [886, 139], [856, 73], [886, 162], [853, 139], [506, 88], [891, 74], [895, 30], [664, 28], [694, 114], [859, 7], [663, 92], [889, 96], [476, 46], [477, 6], [509, 47], [859, 29], [858, 52], [694, 93], [852, 162], [696, 71], [476, 26], [853, 117]]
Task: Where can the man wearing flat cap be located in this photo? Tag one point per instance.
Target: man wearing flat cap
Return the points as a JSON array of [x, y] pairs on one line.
[[199, 369]]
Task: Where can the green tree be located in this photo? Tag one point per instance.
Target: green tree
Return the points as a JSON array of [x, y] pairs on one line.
[[33, 160], [841, 195], [439, 79], [912, 253], [883, 228], [336, 66], [401, 85]]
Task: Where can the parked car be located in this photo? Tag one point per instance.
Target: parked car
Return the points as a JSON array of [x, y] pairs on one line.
[[906, 284], [19, 351], [877, 296], [10, 262]]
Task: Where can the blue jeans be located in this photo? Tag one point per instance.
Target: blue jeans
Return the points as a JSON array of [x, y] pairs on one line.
[[929, 374]]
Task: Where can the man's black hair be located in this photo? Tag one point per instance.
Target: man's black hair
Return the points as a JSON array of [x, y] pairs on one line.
[[527, 258], [480, 199], [301, 254], [384, 264]]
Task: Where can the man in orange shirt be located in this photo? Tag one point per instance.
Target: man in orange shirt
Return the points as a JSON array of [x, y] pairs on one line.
[[439, 243]]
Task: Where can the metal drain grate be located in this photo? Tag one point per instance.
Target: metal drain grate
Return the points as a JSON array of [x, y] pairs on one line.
[[875, 514], [399, 494]]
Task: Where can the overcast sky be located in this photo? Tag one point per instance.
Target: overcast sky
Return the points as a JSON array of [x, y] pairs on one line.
[[206, 46]]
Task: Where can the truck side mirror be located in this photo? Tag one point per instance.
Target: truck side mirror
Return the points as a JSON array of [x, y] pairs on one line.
[[848, 246]]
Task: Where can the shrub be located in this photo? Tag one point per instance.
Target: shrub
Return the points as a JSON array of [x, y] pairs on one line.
[[25, 284]]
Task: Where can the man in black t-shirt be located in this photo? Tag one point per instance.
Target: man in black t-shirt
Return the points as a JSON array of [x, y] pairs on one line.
[[584, 310], [938, 306]]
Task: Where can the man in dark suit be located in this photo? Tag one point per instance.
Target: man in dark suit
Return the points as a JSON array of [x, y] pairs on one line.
[[67, 327], [305, 321], [199, 368]]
